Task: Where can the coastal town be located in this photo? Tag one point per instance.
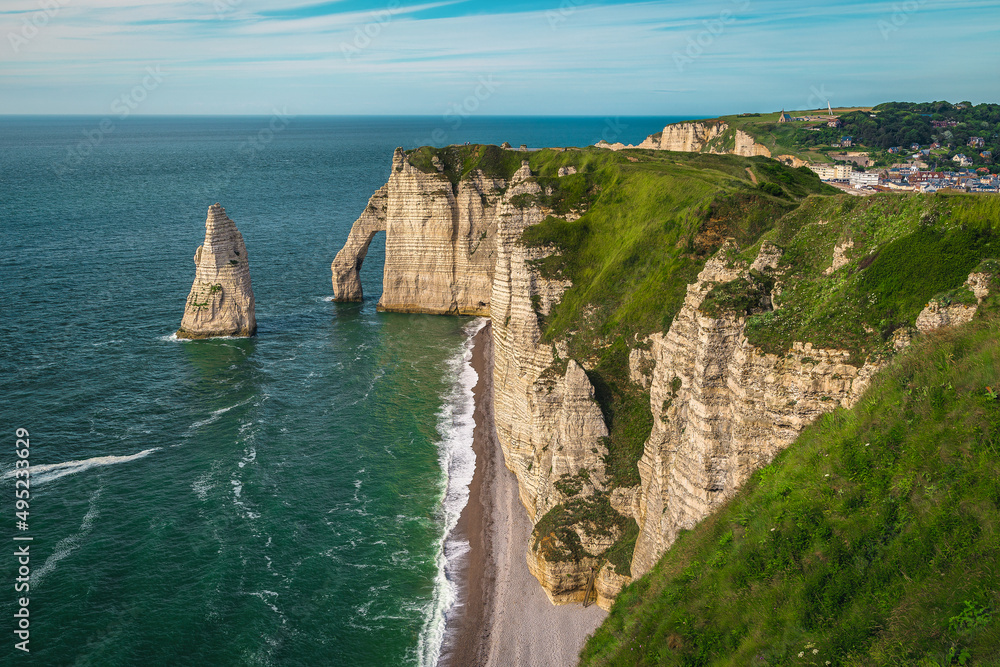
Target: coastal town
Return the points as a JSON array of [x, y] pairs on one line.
[[912, 177], [953, 159]]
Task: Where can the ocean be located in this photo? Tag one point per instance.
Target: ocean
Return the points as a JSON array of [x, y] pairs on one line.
[[280, 500]]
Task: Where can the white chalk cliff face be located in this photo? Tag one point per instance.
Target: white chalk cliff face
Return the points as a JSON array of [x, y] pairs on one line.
[[440, 243], [221, 300], [696, 137], [457, 250], [546, 417], [723, 409]]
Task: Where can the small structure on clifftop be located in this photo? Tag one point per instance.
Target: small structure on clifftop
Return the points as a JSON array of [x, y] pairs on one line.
[[221, 299]]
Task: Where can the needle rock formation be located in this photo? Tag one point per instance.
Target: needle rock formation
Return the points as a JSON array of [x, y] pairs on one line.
[[221, 300]]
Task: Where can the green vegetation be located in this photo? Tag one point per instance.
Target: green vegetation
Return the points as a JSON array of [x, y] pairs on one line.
[[625, 408], [459, 161], [873, 540], [650, 221], [907, 249], [558, 541], [876, 130], [648, 232], [620, 554], [745, 296]]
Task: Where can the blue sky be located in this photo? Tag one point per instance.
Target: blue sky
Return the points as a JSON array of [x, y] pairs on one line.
[[490, 56]]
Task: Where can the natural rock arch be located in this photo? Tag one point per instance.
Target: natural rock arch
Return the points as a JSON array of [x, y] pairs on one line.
[[347, 264], [440, 242]]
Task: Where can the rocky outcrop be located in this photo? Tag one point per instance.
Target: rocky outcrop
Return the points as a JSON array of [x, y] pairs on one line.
[[439, 247], [840, 258], [697, 137], [722, 409], [685, 137], [347, 264], [939, 314], [748, 147], [221, 300], [979, 285], [791, 161], [608, 585]]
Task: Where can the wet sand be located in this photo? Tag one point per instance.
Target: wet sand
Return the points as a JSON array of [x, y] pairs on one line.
[[504, 618]]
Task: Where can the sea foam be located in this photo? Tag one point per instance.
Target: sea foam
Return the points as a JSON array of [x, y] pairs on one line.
[[50, 471], [456, 426], [68, 545]]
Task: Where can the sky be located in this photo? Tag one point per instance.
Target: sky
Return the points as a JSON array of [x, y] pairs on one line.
[[491, 57]]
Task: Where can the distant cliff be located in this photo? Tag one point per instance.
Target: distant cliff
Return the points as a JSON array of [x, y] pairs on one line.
[[709, 136]]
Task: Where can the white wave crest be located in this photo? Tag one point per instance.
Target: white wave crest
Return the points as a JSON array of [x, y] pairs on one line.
[[50, 471], [456, 425]]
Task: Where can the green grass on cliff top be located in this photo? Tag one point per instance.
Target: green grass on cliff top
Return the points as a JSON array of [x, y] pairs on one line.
[[907, 249], [649, 227], [651, 220], [873, 540]]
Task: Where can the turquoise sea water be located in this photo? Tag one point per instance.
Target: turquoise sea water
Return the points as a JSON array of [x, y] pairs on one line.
[[281, 500]]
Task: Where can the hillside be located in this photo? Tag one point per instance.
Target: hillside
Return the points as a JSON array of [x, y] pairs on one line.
[[873, 540], [630, 271], [944, 129]]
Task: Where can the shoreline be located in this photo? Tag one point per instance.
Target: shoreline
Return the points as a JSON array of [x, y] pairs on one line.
[[503, 616], [465, 637]]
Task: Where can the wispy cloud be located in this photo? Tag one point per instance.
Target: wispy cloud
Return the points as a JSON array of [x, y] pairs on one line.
[[599, 57]]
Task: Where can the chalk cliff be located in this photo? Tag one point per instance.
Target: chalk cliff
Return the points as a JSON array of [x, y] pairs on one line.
[[691, 137], [440, 243], [722, 409], [747, 146], [221, 300], [701, 137], [455, 249]]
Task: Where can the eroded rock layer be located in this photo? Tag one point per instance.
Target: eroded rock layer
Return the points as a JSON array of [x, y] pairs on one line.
[[700, 137], [722, 409], [439, 247], [221, 300]]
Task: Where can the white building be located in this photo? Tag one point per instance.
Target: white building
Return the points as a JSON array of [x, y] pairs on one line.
[[833, 172], [862, 179]]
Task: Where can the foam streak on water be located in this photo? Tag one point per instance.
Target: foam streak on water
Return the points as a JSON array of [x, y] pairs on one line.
[[456, 425], [68, 545], [51, 471]]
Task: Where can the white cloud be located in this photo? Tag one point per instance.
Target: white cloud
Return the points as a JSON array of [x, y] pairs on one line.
[[587, 59]]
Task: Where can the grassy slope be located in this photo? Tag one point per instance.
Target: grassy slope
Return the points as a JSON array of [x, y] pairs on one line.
[[907, 249], [873, 540], [649, 227]]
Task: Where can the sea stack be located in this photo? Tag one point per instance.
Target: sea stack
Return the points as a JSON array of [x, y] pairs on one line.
[[221, 299]]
